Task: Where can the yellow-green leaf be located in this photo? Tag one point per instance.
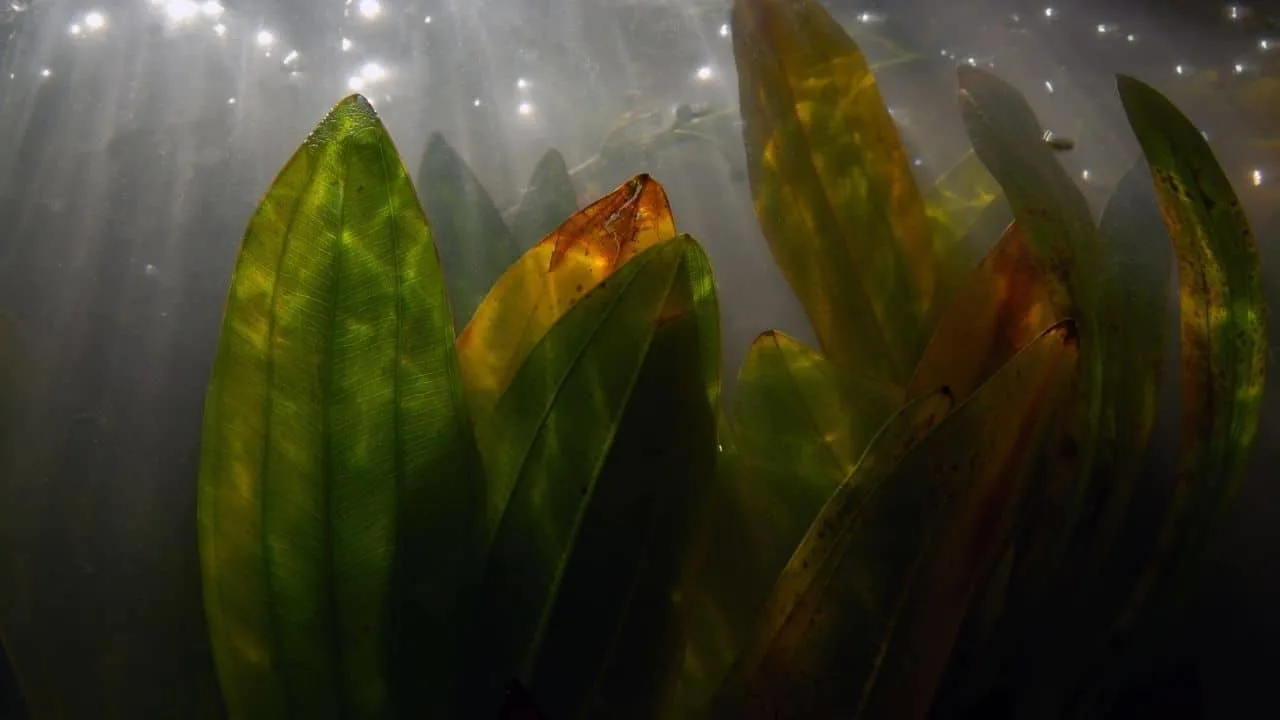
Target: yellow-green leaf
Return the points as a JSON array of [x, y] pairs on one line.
[[548, 201], [863, 619], [551, 277], [801, 421], [968, 211], [1223, 321], [598, 447], [337, 491], [474, 243], [832, 188]]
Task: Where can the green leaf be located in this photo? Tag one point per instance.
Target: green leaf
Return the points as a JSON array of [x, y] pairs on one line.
[[1223, 323], [337, 489], [548, 201], [595, 453], [474, 243], [832, 188], [863, 619]]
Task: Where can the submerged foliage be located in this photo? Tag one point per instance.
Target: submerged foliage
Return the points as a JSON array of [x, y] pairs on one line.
[[452, 468]]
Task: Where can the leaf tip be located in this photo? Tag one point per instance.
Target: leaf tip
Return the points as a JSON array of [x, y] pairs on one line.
[[1070, 332]]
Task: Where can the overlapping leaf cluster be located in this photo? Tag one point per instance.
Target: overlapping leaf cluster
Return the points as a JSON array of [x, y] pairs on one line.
[[1005, 580], [550, 514]]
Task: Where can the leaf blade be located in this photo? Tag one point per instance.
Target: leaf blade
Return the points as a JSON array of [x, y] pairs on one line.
[[326, 394], [474, 243], [832, 187]]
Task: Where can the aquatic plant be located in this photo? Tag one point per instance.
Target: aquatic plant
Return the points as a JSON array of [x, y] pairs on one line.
[[551, 513]]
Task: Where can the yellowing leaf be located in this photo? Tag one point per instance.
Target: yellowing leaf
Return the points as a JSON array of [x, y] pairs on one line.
[[551, 277], [833, 189], [1006, 304], [1224, 338]]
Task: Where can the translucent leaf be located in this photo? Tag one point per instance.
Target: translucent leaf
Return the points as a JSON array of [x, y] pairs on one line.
[[548, 279], [833, 189], [548, 201], [1005, 304], [792, 443], [792, 417], [863, 619], [474, 243], [968, 211], [600, 443], [338, 494]]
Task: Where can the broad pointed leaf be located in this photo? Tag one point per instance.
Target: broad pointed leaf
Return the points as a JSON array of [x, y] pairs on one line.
[[864, 617], [337, 488], [600, 444], [1223, 322], [474, 243], [833, 189], [549, 200], [551, 277]]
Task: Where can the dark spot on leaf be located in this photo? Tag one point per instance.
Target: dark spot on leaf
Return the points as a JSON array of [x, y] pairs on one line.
[[579, 287]]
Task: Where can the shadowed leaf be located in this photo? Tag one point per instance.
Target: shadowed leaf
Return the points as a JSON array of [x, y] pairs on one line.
[[474, 243], [1062, 238], [792, 443], [1137, 270], [551, 277], [863, 619], [832, 188], [337, 492], [596, 452], [548, 201]]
